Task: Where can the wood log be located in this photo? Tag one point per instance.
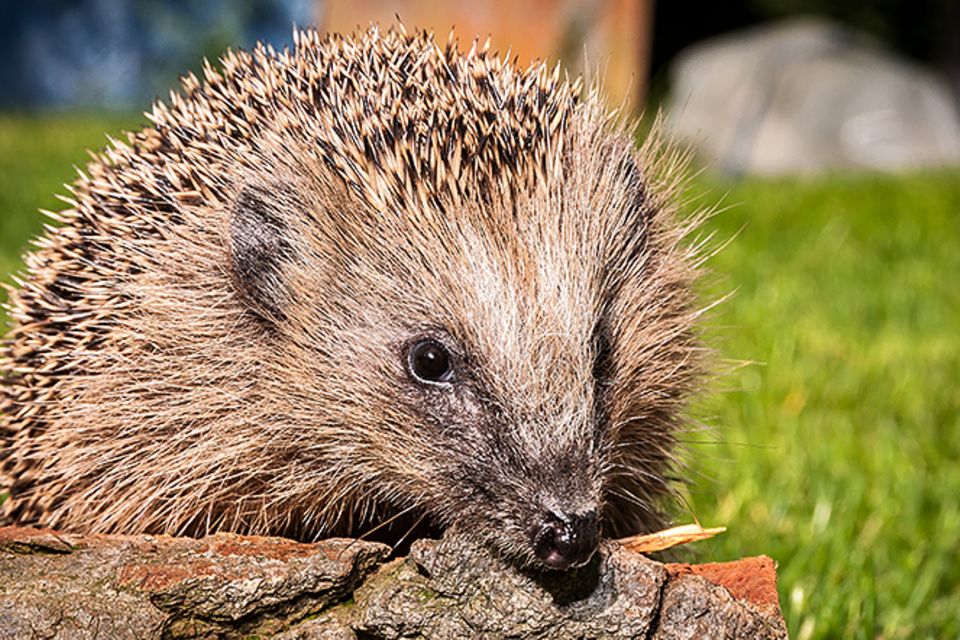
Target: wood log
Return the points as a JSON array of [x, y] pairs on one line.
[[55, 585]]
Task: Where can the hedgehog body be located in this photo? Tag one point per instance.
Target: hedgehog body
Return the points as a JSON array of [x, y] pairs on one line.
[[363, 279]]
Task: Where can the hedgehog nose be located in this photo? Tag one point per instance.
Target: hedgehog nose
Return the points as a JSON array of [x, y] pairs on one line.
[[563, 541]]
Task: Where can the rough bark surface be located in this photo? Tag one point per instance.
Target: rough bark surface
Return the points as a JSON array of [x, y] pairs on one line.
[[56, 585]]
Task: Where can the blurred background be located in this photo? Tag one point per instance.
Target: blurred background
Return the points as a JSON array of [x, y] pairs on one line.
[[828, 132]]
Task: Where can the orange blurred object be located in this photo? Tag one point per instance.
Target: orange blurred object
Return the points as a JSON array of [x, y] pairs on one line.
[[613, 35]]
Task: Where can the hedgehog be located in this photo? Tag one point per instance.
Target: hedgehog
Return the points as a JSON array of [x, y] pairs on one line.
[[360, 281]]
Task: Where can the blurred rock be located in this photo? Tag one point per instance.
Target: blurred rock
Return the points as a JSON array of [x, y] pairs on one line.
[[226, 586], [807, 95]]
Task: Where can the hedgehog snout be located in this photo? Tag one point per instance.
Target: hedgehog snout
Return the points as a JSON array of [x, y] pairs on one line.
[[565, 541]]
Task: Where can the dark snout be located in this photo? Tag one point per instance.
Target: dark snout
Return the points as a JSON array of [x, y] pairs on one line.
[[564, 541]]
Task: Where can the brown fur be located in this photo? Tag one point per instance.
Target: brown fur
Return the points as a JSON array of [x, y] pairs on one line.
[[421, 192]]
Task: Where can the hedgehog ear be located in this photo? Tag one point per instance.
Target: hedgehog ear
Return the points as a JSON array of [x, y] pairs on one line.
[[260, 247]]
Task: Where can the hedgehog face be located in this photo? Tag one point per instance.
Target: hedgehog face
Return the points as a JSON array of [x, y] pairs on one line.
[[516, 462]]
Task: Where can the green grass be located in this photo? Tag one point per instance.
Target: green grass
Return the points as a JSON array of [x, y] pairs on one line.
[[37, 156], [839, 448], [837, 451]]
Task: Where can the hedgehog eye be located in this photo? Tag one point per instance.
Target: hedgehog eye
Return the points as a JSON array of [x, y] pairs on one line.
[[429, 361]]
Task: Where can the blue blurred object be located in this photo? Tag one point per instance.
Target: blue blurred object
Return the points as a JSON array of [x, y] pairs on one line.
[[120, 54]]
